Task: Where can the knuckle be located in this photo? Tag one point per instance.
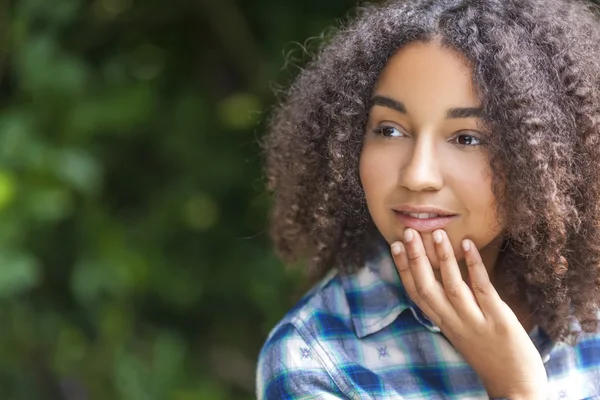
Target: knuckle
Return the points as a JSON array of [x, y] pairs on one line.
[[425, 294], [481, 289], [414, 257], [472, 263], [402, 268], [414, 295], [453, 290], [444, 257]]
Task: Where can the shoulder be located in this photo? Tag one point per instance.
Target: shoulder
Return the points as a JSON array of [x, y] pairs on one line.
[[293, 362], [289, 368], [587, 346], [326, 303], [573, 365]]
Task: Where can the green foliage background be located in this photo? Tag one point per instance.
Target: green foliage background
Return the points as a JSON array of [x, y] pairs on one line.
[[134, 262]]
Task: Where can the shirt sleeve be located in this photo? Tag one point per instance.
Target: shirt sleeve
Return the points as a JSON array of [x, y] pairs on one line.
[[289, 369]]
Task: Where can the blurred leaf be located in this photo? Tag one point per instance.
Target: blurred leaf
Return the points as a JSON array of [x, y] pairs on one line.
[[93, 278], [109, 9], [78, 169], [47, 70], [57, 11], [206, 391], [240, 111], [179, 289], [132, 378], [201, 212], [147, 61], [115, 325], [168, 361], [49, 203], [19, 272], [117, 111], [71, 348], [7, 189], [17, 138]]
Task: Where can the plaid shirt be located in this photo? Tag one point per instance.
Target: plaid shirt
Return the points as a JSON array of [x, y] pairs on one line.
[[361, 337]]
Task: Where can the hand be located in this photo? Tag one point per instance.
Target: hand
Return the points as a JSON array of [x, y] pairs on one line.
[[481, 326]]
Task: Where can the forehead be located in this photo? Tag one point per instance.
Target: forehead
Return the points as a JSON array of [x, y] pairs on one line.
[[428, 74]]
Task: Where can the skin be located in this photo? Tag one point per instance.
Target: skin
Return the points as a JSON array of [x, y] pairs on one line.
[[421, 162], [416, 154]]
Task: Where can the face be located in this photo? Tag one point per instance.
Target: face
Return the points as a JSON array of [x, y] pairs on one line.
[[423, 163]]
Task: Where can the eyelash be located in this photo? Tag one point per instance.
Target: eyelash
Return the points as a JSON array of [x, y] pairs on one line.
[[380, 131]]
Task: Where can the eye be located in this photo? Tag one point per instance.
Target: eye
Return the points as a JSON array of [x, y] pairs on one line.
[[467, 140], [388, 131]]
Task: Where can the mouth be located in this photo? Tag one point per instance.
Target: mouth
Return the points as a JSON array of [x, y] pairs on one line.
[[424, 221]]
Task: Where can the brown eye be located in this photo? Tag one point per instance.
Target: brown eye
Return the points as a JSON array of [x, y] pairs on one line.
[[467, 140], [388, 131]]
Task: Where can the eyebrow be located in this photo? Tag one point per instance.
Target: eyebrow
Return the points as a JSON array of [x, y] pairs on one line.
[[460, 112]]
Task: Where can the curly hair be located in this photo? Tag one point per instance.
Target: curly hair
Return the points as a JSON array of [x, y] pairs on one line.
[[536, 68]]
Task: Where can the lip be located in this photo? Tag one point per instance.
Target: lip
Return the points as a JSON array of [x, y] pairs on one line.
[[423, 209], [423, 225]]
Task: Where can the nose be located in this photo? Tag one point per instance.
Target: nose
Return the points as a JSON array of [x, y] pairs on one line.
[[421, 170]]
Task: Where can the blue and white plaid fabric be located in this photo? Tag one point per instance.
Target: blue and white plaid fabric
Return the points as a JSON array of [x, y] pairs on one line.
[[361, 337]]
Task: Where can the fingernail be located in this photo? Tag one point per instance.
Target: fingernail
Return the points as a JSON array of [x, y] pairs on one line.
[[466, 245], [408, 235], [437, 236], [397, 248]]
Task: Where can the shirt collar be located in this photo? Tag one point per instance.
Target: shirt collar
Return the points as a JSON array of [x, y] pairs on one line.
[[376, 296]]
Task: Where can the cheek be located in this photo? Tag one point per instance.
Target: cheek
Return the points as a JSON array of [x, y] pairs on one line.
[[471, 184], [478, 197], [378, 175], [474, 191]]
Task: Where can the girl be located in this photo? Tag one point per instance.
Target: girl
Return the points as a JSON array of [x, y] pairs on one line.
[[438, 166]]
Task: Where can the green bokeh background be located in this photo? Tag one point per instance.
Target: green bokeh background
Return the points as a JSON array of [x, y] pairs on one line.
[[134, 259]]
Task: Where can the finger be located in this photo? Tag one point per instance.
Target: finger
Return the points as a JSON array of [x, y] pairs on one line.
[[428, 288], [457, 291], [401, 260], [485, 293]]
